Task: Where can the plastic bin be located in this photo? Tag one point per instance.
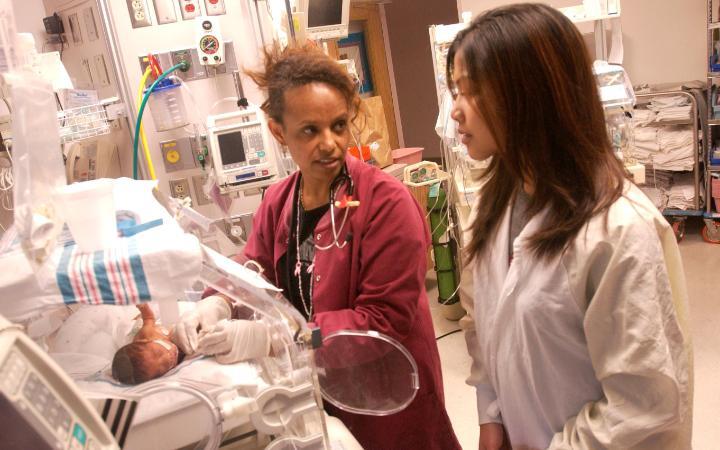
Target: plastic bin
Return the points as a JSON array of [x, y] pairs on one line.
[[410, 155], [363, 154], [88, 208], [715, 188], [167, 106]]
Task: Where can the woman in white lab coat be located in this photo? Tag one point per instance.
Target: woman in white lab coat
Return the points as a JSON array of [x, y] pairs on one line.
[[577, 329]]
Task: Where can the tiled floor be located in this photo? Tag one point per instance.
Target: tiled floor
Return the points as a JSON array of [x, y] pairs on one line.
[[702, 268]]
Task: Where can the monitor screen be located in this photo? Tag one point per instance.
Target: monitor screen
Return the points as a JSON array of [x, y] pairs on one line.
[[231, 146], [322, 13]]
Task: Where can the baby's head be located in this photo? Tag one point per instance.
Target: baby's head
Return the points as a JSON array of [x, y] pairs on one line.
[[151, 354], [143, 361]]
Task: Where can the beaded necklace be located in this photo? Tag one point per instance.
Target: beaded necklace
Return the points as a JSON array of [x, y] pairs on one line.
[[307, 306]]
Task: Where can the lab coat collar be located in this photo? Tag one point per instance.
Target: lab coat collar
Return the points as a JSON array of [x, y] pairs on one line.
[[499, 246]]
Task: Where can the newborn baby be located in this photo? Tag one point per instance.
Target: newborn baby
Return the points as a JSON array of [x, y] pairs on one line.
[[151, 354]]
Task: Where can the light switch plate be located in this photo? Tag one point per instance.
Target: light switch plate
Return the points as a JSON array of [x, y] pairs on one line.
[[165, 11]]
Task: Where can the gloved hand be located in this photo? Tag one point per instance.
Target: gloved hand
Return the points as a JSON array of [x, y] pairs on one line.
[[207, 313], [236, 340]]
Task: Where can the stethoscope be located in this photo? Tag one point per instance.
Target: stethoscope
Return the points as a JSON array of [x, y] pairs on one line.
[[346, 203]]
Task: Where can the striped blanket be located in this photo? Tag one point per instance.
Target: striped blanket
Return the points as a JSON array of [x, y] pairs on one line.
[[112, 277], [156, 264]]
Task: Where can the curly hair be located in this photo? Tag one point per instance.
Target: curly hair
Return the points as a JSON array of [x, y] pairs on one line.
[[298, 66]]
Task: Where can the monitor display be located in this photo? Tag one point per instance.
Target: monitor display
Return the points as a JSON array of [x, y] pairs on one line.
[[322, 13], [231, 146]]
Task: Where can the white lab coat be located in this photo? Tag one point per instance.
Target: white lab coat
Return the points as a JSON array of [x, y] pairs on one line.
[[590, 349]]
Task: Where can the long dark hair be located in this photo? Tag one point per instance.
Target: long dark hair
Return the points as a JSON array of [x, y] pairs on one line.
[[532, 82]]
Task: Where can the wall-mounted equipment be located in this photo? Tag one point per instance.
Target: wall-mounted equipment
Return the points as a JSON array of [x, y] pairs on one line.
[[178, 154], [242, 157], [167, 105], [326, 19], [53, 24], [196, 71], [209, 41]]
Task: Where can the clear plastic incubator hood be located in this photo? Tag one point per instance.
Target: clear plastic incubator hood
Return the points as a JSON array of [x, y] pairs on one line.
[[73, 310]]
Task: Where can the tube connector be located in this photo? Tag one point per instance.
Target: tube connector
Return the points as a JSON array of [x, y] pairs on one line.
[[184, 66]]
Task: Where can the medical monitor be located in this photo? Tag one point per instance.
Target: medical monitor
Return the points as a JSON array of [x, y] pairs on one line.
[[40, 406], [326, 19], [242, 157], [231, 147]]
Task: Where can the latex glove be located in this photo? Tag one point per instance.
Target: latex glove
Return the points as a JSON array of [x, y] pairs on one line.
[[206, 314], [236, 340]]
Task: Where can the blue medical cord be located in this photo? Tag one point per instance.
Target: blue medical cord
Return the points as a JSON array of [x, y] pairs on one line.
[[181, 65]]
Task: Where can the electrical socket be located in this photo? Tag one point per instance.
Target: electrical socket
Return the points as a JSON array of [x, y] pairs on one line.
[[180, 188]]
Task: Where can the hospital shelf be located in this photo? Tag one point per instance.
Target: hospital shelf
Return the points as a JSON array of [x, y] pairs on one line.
[[668, 123], [713, 122], [714, 26], [714, 168], [713, 75], [698, 170]]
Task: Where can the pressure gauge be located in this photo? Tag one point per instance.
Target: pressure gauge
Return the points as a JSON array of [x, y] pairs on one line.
[[209, 45], [211, 48]]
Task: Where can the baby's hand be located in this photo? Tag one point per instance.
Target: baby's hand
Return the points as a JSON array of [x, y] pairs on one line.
[[146, 313]]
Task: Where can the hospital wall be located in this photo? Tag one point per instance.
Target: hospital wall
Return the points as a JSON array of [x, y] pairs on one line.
[[664, 40], [29, 19], [408, 22]]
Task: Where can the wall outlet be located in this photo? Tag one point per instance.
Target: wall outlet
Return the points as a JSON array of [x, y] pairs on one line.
[[180, 188], [138, 11]]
